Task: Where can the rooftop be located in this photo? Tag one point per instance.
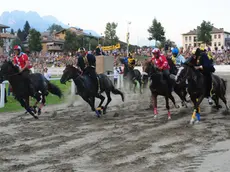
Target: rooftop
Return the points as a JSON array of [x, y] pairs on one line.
[[4, 26], [214, 30]]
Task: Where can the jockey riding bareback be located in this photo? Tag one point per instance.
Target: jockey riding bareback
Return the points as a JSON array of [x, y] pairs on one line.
[[22, 61], [161, 63], [87, 64]]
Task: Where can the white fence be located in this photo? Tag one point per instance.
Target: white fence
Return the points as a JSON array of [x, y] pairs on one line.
[[73, 87]]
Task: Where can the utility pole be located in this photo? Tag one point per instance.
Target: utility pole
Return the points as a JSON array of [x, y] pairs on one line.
[[128, 23]]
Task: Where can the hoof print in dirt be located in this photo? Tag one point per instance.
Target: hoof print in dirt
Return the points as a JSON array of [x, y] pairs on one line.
[[54, 114], [116, 115]]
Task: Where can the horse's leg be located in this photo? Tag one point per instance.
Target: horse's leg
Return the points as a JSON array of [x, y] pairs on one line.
[[193, 118], [154, 99], [224, 99], [42, 104], [135, 85], [180, 94], [102, 98], [170, 96], [27, 107], [167, 107], [140, 83], [109, 99], [216, 100]]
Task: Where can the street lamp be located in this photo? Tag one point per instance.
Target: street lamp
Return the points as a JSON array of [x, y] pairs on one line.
[[128, 23]]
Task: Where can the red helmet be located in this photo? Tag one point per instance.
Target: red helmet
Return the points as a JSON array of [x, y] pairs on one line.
[[156, 51], [17, 47]]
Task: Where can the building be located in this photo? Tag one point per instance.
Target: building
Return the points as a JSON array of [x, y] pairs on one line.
[[7, 40], [50, 44], [220, 38]]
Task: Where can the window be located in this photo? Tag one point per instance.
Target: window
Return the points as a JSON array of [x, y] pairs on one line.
[[219, 36], [189, 45], [186, 46], [214, 36], [186, 39], [194, 44], [215, 44], [219, 44], [194, 39], [210, 44], [189, 38]]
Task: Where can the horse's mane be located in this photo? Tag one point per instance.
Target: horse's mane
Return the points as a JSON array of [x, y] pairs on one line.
[[75, 68], [9, 62]]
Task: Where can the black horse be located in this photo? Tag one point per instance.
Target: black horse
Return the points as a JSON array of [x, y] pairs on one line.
[[21, 89], [132, 75], [87, 90], [158, 86], [197, 88]]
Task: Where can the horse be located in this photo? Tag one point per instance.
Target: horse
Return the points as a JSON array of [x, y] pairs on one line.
[[87, 90], [133, 75], [159, 86], [197, 88], [21, 89]]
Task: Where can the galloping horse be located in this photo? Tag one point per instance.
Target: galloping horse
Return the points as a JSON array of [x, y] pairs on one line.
[[158, 86], [87, 90], [21, 89], [197, 88], [133, 75]]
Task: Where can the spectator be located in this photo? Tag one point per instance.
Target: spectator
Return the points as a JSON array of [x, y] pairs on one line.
[[46, 74], [99, 51], [116, 75]]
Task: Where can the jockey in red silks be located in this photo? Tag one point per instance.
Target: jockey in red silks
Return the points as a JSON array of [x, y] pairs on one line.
[[161, 63], [22, 61]]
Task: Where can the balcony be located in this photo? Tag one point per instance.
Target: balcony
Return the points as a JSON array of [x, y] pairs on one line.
[[54, 48]]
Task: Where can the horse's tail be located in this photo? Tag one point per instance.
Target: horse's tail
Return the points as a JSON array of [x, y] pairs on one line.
[[54, 89], [116, 91]]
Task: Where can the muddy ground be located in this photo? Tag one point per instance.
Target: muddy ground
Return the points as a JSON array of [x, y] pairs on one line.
[[126, 139]]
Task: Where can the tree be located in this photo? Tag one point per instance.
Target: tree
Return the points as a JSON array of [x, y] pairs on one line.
[[71, 42], [204, 32], [34, 41], [20, 35], [110, 33], [156, 31], [26, 30], [55, 27], [12, 31]]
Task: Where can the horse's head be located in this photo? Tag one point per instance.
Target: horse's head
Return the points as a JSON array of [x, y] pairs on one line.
[[7, 69], [149, 68], [182, 74], [70, 72]]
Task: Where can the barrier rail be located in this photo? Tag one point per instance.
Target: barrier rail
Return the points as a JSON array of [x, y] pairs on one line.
[[73, 87]]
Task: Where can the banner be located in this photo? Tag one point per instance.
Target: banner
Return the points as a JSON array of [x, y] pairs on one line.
[[112, 47]]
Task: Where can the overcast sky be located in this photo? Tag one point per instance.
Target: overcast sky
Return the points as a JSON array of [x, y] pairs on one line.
[[177, 16]]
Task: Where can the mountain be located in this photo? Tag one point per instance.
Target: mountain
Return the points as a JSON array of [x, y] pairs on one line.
[[16, 19]]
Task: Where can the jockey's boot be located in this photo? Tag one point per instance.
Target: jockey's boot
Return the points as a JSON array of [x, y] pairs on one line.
[[210, 100]]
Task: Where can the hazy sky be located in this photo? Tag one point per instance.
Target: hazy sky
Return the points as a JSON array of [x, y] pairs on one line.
[[177, 16]]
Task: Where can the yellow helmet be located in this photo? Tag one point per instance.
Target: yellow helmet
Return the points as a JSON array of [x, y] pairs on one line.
[[202, 47]]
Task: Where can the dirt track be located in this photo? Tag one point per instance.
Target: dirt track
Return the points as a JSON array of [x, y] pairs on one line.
[[73, 139]]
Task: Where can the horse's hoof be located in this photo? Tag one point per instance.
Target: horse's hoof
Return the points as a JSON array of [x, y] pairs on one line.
[[155, 116], [39, 112], [98, 114], [169, 118], [35, 117]]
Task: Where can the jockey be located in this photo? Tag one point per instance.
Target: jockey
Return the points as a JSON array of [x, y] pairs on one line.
[[22, 61], [177, 58], [131, 65], [87, 64], [205, 65], [161, 62]]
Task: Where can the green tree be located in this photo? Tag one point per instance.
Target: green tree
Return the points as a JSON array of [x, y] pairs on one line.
[[204, 32], [12, 31], [26, 29], [71, 43], [110, 33], [55, 27], [34, 41], [156, 31], [20, 35]]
